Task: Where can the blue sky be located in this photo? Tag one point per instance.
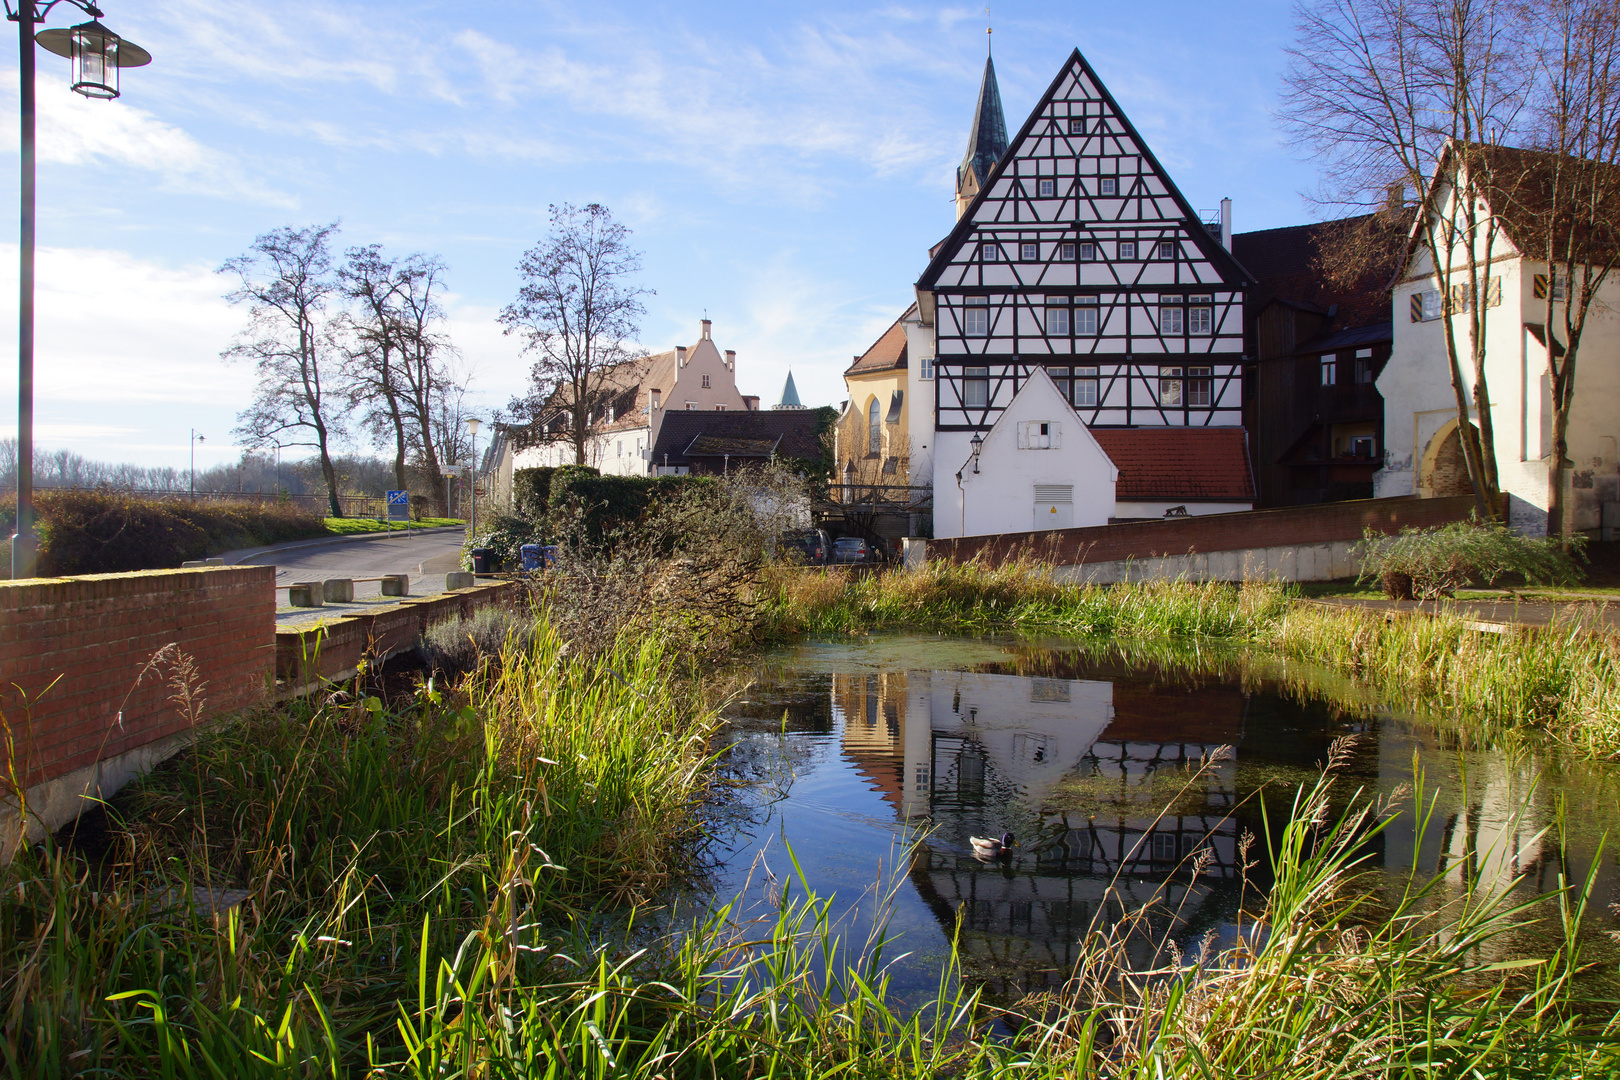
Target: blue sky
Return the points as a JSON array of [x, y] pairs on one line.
[[785, 168]]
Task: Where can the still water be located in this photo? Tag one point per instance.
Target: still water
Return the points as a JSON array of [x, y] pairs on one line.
[[873, 760]]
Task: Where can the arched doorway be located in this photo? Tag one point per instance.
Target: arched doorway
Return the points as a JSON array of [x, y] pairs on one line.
[[1445, 468]]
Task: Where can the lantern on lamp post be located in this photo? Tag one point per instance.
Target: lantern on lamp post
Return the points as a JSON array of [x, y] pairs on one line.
[[97, 54]]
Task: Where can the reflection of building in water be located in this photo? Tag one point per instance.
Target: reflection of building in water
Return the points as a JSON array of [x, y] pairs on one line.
[[1077, 769]]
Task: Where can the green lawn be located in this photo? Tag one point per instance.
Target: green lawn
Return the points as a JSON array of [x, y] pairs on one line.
[[350, 526]]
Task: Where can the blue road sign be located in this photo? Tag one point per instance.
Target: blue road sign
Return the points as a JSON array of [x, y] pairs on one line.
[[399, 506]]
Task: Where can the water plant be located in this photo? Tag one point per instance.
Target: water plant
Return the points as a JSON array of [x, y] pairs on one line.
[[1428, 563]]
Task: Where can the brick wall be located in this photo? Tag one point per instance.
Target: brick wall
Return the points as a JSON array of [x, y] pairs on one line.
[[1287, 527], [73, 649]]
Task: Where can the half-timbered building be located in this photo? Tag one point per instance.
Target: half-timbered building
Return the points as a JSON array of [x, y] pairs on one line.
[[1077, 255]]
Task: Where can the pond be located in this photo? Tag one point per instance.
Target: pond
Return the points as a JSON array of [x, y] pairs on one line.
[[873, 760]]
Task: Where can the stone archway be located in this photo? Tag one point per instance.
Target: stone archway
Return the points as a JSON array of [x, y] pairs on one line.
[[1445, 468]]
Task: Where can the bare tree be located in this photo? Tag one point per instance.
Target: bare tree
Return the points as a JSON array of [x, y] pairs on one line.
[[286, 280], [371, 283], [577, 314], [1565, 199], [1411, 95], [428, 377]]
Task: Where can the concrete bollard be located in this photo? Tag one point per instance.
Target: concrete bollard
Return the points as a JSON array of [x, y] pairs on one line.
[[305, 594], [338, 590], [396, 585], [916, 553], [459, 579]]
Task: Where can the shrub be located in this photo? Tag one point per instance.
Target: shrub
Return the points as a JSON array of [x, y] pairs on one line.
[[531, 491], [595, 510], [1426, 564], [100, 532], [455, 645]]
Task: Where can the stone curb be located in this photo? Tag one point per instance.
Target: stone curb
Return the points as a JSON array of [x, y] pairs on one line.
[[236, 558]]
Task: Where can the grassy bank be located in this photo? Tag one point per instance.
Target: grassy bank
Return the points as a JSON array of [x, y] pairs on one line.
[[1565, 683], [353, 526]]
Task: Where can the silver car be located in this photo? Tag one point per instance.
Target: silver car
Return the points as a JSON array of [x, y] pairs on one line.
[[850, 549]]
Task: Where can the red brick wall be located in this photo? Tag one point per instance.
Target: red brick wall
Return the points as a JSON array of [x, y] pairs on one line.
[[91, 636], [1288, 527]]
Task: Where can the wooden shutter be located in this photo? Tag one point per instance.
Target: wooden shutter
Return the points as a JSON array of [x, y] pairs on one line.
[[1417, 307]]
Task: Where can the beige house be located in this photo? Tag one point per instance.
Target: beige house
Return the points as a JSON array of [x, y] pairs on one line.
[[696, 378], [873, 434]]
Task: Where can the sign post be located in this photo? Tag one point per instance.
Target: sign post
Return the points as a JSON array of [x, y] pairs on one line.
[[399, 507]]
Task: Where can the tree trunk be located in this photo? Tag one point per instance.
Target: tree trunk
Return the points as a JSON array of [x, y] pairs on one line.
[[328, 471]]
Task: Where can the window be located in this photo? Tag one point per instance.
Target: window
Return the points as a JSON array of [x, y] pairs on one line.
[[925, 368], [1164, 847], [655, 398], [1198, 386], [1066, 252], [874, 428], [1127, 249], [976, 316], [989, 252], [1085, 386], [1167, 249], [705, 382], [1330, 370], [621, 448], [1088, 252], [1077, 125], [1047, 188], [1538, 286], [1040, 435], [1362, 446], [1169, 386], [1057, 320], [691, 406], [1364, 366], [1085, 316], [976, 387], [719, 408], [1200, 315], [1426, 306], [1029, 252], [1110, 185], [1171, 320]]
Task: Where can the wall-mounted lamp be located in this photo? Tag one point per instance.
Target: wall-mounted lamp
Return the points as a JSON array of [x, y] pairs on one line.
[[977, 444]]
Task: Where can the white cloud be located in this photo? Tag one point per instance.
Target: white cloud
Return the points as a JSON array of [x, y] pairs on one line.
[[73, 130]]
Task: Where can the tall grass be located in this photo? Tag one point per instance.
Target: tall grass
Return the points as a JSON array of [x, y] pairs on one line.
[[450, 888], [1563, 680]]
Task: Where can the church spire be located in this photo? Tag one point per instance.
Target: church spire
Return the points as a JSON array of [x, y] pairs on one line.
[[790, 396], [987, 142]]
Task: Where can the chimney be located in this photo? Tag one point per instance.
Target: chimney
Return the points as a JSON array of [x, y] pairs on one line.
[[706, 325], [731, 359], [680, 356], [1226, 224], [751, 402]]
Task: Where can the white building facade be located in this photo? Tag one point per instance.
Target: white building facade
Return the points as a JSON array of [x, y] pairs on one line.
[[1079, 273]]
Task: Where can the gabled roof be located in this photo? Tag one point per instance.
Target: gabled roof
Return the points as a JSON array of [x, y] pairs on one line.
[[1287, 267], [1179, 464], [988, 140], [1349, 338], [683, 435], [1210, 247], [888, 352]]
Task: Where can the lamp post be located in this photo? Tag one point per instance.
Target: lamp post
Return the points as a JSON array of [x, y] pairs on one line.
[[97, 54], [196, 437], [472, 489], [977, 442]]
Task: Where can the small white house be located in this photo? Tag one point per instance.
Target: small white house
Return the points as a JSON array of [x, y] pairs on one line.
[[1423, 447], [1038, 467]]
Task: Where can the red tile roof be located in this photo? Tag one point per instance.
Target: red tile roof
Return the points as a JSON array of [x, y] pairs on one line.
[[887, 352], [1179, 464]]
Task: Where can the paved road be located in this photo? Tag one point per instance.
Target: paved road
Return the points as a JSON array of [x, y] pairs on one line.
[[425, 556]]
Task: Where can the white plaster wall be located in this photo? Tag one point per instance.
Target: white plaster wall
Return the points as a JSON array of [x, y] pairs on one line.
[[920, 403], [1001, 496]]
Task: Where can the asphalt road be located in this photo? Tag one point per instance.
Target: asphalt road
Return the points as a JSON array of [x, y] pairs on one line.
[[425, 556]]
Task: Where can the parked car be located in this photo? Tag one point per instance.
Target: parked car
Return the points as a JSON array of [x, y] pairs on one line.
[[850, 549], [813, 546]]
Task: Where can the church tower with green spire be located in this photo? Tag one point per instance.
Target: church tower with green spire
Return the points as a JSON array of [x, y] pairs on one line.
[[986, 143]]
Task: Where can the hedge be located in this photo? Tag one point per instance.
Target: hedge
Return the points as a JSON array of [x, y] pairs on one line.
[[97, 532]]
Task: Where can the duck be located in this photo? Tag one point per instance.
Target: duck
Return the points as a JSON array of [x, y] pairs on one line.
[[988, 847]]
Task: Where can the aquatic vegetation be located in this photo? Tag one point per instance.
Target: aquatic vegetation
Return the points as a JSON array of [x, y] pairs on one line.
[[1563, 680]]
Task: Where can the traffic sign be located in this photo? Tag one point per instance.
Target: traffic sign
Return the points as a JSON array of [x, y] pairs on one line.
[[399, 506]]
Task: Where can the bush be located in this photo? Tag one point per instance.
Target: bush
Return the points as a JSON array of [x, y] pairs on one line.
[[99, 532], [455, 645], [596, 509], [531, 491], [1426, 564]]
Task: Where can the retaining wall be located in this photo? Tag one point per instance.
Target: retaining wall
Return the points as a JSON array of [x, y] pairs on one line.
[[85, 705], [1297, 543]]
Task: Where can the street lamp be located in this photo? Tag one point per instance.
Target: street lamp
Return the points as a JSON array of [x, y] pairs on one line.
[[977, 442], [472, 516], [97, 55], [196, 437]]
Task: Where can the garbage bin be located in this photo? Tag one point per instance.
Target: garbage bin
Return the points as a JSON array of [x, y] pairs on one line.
[[531, 556], [483, 560]]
